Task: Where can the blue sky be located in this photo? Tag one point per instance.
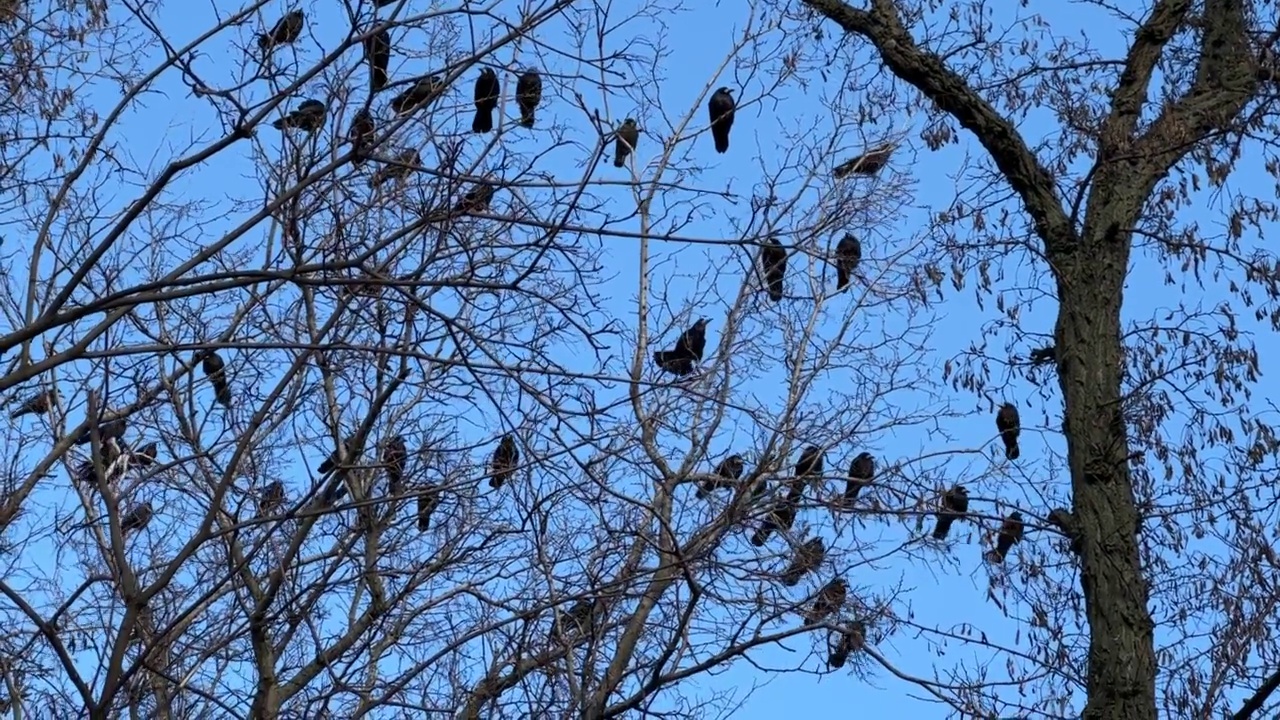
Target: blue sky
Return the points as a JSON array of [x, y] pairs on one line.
[[939, 588]]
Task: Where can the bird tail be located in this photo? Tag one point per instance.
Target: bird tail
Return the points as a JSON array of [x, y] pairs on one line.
[[790, 579], [495, 481], [775, 290], [280, 124], [836, 660], [424, 524], [222, 393], [943, 527], [661, 357], [377, 79], [620, 159], [18, 413], [996, 556], [703, 490], [842, 278], [843, 169], [760, 537], [526, 118], [1011, 451], [483, 122], [264, 42], [722, 143]]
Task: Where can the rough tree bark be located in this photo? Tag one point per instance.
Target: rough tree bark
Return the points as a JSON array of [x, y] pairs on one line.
[[1089, 256]]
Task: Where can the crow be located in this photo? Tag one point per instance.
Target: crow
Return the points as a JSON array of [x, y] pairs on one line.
[[721, 107], [687, 352], [1010, 532], [867, 164], [428, 501], [285, 31], [773, 260], [215, 369], [377, 51], [830, 599], [394, 454], [627, 137], [137, 519], [1009, 425], [330, 463], [780, 518], [360, 135], [476, 200], [406, 162], [575, 623], [270, 499], [110, 430], [145, 456], [309, 117], [851, 639], [811, 463], [955, 503], [37, 404], [848, 255], [861, 472], [807, 559], [528, 95], [420, 93], [505, 459], [486, 100], [1044, 355], [729, 470]]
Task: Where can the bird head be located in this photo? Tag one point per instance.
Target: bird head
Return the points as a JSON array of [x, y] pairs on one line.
[[724, 90], [960, 490], [629, 122], [703, 322], [1015, 516]]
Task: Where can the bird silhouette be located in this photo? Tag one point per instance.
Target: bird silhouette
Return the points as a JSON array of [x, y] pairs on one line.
[[955, 503], [428, 501], [721, 109], [848, 255], [528, 95], [505, 459], [1010, 426], [423, 90], [37, 404], [861, 472], [773, 261], [627, 137], [830, 599], [1011, 531], [308, 117], [377, 52], [808, 557], [486, 100], [726, 473], [137, 519], [394, 455], [687, 353], [285, 31], [360, 135]]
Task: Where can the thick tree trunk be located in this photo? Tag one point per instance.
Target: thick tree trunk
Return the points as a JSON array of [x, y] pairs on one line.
[[1122, 665]]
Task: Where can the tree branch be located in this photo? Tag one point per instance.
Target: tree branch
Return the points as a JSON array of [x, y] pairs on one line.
[[1259, 698]]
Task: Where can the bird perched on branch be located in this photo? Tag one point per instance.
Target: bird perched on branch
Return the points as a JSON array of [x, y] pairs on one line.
[[137, 519], [850, 640], [428, 501], [848, 255], [215, 370], [811, 462], [779, 519], [866, 164], [773, 261], [687, 353], [954, 504], [285, 31], [727, 472], [377, 52], [37, 404], [270, 499], [1011, 531], [107, 431], [486, 100], [1010, 426], [331, 463], [528, 95], [830, 599], [423, 90], [476, 200], [406, 162], [308, 117], [506, 457], [808, 557], [145, 456], [721, 109], [624, 144], [394, 455], [361, 135], [861, 472]]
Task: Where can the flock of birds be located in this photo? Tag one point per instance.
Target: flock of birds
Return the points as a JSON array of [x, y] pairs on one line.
[[111, 456]]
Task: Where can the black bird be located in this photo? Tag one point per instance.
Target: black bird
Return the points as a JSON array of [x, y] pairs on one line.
[[721, 107], [420, 93], [808, 557], [476, 200], [861, 472], [361, 134], [145, 456], [848, 255], [309, 117], [37, 404], [486, 100], [334, 492], [285, 31], [428, 501], [576, 622], [1011, 531], [113, 460], [377, 52], [270, 499], [851, 639], [394, 454], [811, 462], [1044, 355], [780, 518], [627, 137], [505, 459], [687, 352], [868, 163], [528, 95], [137, 519], [955, 503], [331, 462], [215, 369], [773, 261], [728, 471], [110, 430], [405, 163], [830, 600], [1009, 425]]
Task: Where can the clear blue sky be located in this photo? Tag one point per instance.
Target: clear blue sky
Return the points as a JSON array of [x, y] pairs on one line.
[[939, 589]]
